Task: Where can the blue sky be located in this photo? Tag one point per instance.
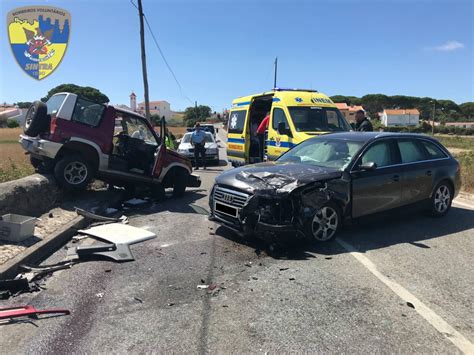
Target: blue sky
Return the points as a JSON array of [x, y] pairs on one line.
[[221, 49]]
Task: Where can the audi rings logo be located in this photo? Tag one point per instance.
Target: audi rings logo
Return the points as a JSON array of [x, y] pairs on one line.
[[228, 198]]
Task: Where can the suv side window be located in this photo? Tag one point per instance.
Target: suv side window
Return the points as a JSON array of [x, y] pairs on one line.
[[380, 153], [237, 121], [279, 116], [433, 151], [88, 112], [410, 151]]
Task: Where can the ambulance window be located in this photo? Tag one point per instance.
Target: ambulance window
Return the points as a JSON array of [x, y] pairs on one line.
[[279, 116], [237, 121]]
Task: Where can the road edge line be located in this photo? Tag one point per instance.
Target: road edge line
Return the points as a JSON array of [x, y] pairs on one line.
[[459, 340]]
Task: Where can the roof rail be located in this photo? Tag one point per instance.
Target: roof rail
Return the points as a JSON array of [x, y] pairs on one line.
[[289, 89]]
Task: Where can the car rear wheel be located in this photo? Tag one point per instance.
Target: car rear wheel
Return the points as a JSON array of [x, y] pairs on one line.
[[73, 172], [180, 183], [441, 199], [36, 120], [324, 224]]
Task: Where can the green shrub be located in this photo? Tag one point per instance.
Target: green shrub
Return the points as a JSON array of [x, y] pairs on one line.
[[12, 124]]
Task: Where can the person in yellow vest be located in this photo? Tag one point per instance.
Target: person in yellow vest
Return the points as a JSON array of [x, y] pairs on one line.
[[169, 140]]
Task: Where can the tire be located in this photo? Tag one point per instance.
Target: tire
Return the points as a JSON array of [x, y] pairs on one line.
[[37, 119], [180, 183], [158, 192], [441, 199], [73, 172], [36, 163], [330, 217]]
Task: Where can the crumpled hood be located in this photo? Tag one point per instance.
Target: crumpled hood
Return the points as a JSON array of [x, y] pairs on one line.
[[274, 177]]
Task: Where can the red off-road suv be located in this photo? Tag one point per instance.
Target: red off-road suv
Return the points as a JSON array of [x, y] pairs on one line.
[[78, 140]]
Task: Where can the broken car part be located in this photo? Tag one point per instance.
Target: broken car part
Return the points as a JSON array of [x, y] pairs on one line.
[[28, 311], [119, 233], [97, 217], [117, 252]]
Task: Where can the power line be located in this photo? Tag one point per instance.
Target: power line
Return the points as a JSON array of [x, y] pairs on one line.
[[163, 56]]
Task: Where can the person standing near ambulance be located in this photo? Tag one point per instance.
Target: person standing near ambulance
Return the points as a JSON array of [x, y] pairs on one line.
[[198, 140]]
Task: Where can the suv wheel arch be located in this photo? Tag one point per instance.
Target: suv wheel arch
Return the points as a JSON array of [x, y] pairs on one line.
[[87, 151]]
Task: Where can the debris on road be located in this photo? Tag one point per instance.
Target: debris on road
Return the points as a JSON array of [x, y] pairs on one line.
[[27, 311], [411, 305], [117, 252], [97, 217], [292, 279], [199, 209], [119, 233], [284, 268], [135, 202], [16, 228], [138, 299], [202, 287], [99, 295]]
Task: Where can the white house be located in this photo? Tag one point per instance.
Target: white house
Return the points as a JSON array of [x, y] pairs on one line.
[[400, 117], [161, 108]]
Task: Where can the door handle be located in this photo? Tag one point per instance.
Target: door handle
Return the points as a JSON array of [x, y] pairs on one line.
[[395, 177], [428, 173]]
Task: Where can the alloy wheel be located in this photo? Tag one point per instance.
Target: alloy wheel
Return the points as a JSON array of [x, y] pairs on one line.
[[325, 223], [75, 173], [442, 199]]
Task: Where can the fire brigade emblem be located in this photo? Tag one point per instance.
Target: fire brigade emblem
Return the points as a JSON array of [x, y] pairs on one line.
[[38, 37]]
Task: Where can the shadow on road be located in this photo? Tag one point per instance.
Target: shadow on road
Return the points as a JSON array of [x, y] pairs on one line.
[[370, 233]]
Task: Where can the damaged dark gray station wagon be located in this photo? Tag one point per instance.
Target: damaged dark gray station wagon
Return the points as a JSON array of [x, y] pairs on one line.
[[312, 188]]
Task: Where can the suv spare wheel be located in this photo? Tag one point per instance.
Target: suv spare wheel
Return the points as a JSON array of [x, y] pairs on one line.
[[37, 119]]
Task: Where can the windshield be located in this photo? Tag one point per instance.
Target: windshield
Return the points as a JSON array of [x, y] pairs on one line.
[[54, 103], [326, 152], [187, 138], [316, 119]]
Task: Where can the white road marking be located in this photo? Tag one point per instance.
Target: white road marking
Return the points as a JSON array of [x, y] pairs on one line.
[[462, 204], [435, 320]]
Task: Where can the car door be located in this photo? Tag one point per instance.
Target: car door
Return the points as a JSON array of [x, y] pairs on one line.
[[277, 143], [379, 189], [417, 171]]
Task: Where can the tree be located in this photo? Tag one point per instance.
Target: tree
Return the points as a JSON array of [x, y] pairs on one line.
[[25, 104], [196, 114], [467, 109], [84, 91], [155, 119]]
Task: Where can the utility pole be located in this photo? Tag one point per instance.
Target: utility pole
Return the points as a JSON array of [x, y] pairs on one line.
[[196, 110], [276, 70], [432, 123], [145, 78]]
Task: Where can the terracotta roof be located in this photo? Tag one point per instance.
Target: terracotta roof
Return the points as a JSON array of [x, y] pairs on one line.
[[341, 105], [411, 111]]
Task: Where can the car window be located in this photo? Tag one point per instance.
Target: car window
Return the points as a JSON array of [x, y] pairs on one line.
[[279, 116], [433, 151], [379, 153], [88, 112], [209, 137], [187, 138], [410, 151], [54, 103], [237, 121]]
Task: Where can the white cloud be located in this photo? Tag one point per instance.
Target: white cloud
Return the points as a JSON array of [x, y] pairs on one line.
[[448, 46]]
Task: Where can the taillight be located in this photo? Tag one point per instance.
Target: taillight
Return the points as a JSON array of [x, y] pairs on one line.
[[53, 125]]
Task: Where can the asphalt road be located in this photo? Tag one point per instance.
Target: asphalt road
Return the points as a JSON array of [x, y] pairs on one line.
[[354, 295]]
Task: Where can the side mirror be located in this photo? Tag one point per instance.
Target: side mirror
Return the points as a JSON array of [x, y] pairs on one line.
[[283, 130], [178, 141], [369, 166]]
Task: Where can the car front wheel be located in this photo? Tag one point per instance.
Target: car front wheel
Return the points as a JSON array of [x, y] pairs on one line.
[[73, 172], [441, 199], [324, 224]]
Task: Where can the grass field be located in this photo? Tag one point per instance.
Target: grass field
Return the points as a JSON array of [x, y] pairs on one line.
[[14, 164]]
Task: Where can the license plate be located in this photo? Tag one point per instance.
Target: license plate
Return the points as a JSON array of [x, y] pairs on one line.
[[226, 209]]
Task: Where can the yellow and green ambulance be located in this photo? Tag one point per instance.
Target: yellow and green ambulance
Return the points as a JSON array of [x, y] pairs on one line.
[[295, 115]]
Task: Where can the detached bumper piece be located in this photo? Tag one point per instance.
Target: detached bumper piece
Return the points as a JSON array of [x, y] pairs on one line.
[[27, 311], [193, 181]]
